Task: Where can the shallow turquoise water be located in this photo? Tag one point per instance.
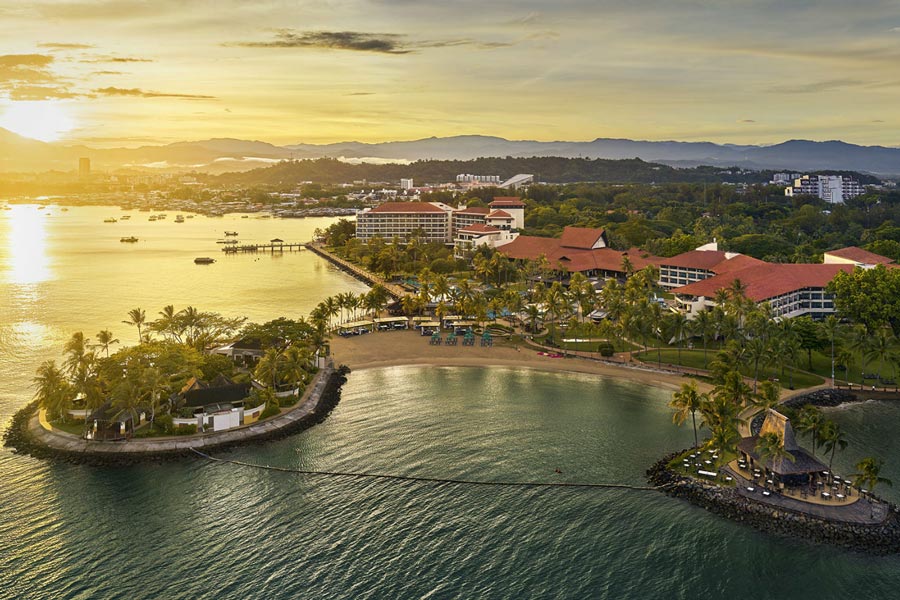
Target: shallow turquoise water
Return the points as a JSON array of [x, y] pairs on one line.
[[199, 530]]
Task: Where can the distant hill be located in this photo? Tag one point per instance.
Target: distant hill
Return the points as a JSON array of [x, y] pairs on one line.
[[227, 154]]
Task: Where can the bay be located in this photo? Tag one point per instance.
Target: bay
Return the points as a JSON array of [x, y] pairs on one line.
[[195, 529]]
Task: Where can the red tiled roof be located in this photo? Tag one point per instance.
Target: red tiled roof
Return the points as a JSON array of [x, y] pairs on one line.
[[861, 256], [765, 281], [511, 201], [696, 259], [474, 210], [478, 228], [407, 207], [736, 263], [499, 214], [575, 259], [580, 237]]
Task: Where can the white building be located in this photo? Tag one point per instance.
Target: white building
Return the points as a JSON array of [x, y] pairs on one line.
[[431, 220], [834, 189], [467, 178], [406, 184]]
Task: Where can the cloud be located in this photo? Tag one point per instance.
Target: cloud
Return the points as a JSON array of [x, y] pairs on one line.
[[139, 93], [385, 43], [816, 87], [877, 121], [746, 121], [107, 72], [40, 92], [64, 46], [382, 43], [25, 60], [360, 94], [117, 59]]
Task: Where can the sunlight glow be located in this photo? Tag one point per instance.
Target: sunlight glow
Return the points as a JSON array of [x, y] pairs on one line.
[[44, 120], [26, 252]]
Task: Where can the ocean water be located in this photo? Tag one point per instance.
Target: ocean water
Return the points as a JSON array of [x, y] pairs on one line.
[[195, 529]]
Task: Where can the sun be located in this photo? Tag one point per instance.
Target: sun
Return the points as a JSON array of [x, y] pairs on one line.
[[44, 120]]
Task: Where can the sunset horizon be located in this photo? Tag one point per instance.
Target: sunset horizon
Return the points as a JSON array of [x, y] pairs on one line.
[[127, 73]]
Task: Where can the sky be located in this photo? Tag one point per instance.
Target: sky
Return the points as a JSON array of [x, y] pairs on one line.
[[112, 73]]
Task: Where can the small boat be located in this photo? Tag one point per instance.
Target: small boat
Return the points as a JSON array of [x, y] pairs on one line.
[[179, 219], [231, 233], [110, 220], [230, 242], [129, 239], [123, 217], [64, 209], [190, 216], [245, 216], [204, 260], [152, 218]]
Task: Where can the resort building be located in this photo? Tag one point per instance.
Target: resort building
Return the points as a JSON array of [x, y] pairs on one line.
[[834, 189], [430, 220], [855, 256], [697, 265], [579, 250], [792, 290], [438, 222]]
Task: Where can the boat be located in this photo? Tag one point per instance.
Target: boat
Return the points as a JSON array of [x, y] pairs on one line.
[[179, 219], [190, 216], [204, 260], [231, 233], [64, 209], [110, 220], [245, 216], [230, 242], [130, 239], [123, 217], [152, 218]]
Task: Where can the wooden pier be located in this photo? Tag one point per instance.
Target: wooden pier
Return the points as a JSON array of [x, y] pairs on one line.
[[358, 272], [271, 247]]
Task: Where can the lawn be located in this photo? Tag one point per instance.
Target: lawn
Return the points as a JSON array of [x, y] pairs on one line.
[[677, 465], [694, 359], [73, 427]]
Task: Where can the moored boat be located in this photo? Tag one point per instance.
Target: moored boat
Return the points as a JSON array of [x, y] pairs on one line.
[[130, 239], [204, 260]]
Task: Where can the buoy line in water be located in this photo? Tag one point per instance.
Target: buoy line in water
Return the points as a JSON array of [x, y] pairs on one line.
[[428, 479]]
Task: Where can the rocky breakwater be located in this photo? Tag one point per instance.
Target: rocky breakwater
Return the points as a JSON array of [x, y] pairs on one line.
[[880, 538], [24, 438]]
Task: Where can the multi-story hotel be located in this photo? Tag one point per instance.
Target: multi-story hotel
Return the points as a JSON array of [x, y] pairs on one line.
[[830, 188]]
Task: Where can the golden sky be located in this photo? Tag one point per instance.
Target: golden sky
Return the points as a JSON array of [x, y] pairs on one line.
[[133, 72]]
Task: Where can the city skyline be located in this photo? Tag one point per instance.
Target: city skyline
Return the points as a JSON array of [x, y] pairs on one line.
[[128, 73]]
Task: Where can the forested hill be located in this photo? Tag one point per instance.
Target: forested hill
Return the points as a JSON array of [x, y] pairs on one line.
[[547, 169]]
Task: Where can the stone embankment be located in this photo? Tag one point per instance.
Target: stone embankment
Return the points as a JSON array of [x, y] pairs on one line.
[[880, 539], [25, 437]]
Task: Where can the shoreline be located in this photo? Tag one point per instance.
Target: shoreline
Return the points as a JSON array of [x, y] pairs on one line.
[[26, 435], [408, 348]]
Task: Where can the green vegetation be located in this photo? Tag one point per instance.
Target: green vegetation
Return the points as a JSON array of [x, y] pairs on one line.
[[147, 378]]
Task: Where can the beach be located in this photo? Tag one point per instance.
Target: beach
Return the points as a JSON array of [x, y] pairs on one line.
[[393, 348]]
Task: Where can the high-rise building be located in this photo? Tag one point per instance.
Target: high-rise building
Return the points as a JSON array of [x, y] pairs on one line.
[[84, 168], [406, 184], [830, 188]]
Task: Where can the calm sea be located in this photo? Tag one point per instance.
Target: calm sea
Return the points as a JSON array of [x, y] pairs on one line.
[[199, 530]]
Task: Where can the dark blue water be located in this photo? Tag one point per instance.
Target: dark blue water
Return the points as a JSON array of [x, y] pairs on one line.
[[203, 530]]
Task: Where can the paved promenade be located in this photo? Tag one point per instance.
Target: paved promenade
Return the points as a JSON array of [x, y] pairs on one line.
[[66, 442]]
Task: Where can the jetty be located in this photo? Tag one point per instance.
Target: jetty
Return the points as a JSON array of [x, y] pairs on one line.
[[358, 272], [272, 247]]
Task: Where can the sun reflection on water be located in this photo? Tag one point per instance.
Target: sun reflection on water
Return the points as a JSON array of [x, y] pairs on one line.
[[25, 235]]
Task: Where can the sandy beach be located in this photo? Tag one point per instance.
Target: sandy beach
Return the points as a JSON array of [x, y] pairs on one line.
[[392, 348]]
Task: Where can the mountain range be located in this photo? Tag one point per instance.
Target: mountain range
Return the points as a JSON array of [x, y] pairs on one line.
[[20, 154]]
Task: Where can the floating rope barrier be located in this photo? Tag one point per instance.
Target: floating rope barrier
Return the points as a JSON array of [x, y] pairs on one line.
[[436, 480]]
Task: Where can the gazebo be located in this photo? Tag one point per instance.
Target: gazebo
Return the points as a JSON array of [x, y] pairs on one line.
[[798, 472]]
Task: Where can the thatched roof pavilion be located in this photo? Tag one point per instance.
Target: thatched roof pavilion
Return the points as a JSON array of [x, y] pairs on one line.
[[803, 463]]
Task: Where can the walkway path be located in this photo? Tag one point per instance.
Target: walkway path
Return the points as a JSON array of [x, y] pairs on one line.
[[360, 273], [58, 440], [863, 512]]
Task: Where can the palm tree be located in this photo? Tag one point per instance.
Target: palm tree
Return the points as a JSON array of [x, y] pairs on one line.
[[52, 391], [76, 350], [685, 401], [533, 313], [758, 352], [679, 327], [831, 327], [770, 448], [845, 358], [869, 474], [832, 439], [769, 395], [882, 345], [703, 325], [733, 389], [721, 416], [136, 317], [168, 323], [810, 421], [105, 339]]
